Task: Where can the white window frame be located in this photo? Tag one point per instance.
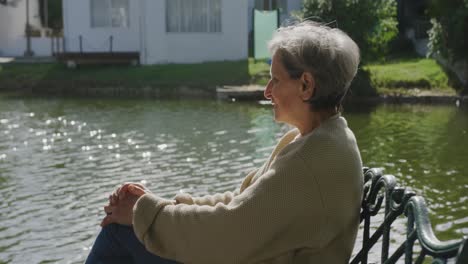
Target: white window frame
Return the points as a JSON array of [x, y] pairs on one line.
[[110, 6], [179, 20]]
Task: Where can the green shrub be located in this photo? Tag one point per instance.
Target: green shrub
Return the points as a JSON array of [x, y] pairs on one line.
[[371, 23], [362, 85], [54, 13], [448, 36]]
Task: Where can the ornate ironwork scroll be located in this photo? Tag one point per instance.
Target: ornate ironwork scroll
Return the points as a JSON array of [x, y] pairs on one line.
[[380, 188]]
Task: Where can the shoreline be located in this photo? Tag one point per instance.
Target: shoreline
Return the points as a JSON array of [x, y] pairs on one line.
[[91, 89]]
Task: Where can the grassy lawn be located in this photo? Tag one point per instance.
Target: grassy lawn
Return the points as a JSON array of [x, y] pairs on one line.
[[409, 76], [402, 76], [210, 74], [259, 72]]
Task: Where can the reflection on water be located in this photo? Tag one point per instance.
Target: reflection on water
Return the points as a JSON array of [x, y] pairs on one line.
[[426, 148], [59, 159]]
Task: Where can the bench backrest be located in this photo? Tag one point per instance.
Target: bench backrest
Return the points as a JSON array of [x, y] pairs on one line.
[[380, 188]]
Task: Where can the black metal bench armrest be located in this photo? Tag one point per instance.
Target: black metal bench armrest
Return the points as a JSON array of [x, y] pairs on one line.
[[399, 201]]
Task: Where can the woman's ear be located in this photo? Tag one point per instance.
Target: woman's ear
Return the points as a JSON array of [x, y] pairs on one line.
[[308, 86]]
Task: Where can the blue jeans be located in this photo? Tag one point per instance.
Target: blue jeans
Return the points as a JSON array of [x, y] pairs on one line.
[[119, 244]]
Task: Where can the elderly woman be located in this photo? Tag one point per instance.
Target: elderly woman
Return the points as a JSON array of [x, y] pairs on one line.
[[301, 206]]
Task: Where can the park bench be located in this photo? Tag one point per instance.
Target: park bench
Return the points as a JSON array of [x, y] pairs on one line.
[[382, 191], [72, 59]]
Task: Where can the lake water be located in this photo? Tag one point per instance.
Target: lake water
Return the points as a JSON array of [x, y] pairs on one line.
[[59, 159]]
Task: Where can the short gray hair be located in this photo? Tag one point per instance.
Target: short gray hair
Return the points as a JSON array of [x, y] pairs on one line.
[[329, 54]]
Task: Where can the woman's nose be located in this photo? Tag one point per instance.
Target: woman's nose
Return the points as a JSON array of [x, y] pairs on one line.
[[267, 92]]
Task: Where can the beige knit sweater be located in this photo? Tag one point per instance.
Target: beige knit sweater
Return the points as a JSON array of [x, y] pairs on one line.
[[301, 206]]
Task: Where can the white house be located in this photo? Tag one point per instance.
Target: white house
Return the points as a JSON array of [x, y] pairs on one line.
[[13, 25], [162, 31]]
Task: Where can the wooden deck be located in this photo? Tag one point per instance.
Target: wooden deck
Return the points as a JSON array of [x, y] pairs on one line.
[[241, 93]]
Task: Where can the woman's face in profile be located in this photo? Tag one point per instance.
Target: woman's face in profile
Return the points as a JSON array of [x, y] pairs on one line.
[[284, 93]]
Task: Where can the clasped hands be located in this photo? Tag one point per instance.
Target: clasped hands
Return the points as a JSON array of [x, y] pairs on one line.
[[121, 202]]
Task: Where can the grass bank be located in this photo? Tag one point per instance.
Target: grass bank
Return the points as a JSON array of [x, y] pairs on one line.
[[403, 76], [409, 76], [204, 74]]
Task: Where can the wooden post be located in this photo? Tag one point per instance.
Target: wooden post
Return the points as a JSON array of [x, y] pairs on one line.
[[81, 44], [58, 44], [52, 50], [111, 40], [46, 13], [28, 52]]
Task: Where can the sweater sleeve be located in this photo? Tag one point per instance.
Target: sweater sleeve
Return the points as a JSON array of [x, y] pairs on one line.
[[266, 218], [212, 200]]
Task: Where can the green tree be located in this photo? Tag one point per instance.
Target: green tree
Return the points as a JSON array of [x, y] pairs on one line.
[[448, 36], [54, 11], [371, 23]]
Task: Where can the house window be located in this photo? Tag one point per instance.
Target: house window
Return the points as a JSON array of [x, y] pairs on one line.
[[193, 15], [110, 13], [271, 5]]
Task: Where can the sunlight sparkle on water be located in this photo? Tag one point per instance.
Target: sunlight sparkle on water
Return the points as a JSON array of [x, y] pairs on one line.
[[70, 181], [85, 148], [450, 172], [40, 133], [222, 132], [162, 146]]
